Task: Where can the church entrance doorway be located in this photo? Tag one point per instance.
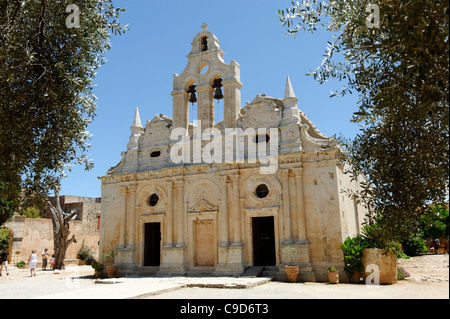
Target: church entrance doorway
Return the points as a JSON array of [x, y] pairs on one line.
[[263, 241], [152, 245], [204, 243]]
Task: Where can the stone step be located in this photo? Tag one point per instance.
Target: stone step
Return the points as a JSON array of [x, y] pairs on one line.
[[253, 271]]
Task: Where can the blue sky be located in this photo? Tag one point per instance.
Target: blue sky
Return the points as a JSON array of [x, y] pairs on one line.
[[141, 64]]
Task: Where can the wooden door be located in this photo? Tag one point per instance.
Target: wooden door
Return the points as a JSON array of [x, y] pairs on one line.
[[263, 241], [204, 243], [152, 249]]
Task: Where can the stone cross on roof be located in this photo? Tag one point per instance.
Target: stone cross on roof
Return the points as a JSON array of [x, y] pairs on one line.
[[204, 26]]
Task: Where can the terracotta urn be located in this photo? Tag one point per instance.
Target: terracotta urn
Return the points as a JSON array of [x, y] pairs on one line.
[[112, 271], [292, 272], [333, 277]]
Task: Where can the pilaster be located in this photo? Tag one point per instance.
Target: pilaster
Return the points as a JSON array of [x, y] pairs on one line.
[[180, 109], [205, 106]]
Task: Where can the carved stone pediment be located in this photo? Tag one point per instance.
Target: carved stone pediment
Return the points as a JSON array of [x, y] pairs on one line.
[[203, 206]]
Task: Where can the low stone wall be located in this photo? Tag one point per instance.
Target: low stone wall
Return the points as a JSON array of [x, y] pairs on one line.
[[37, 233]]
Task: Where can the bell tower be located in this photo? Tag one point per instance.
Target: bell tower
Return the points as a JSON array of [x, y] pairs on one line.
[[205, 78]]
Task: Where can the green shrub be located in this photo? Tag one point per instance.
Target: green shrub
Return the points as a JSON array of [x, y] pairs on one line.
[[352, 248], [4, 238], [414, 246], [20, 264], [30, 212], [97, 266], [86, 254]]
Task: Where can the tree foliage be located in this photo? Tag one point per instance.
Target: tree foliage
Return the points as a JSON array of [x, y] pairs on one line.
[[436, 224], [47, 67], [400, 70]]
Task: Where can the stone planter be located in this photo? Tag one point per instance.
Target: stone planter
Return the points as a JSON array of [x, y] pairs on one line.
[[292, 273], [386, 264], [98, 274], [333, 277], [112, 271]]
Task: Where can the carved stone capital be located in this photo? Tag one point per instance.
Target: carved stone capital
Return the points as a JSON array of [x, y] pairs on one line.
[[179, 183], [169, 184]]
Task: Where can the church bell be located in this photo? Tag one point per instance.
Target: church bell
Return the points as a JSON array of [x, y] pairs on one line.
[[191, 92], [218, 95]]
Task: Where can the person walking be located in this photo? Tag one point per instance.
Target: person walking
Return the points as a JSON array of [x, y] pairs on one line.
[[44, 259], [32, 262], [4, 261]]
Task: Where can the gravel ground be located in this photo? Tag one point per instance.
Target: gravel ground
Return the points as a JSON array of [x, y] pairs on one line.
[[429, 280]]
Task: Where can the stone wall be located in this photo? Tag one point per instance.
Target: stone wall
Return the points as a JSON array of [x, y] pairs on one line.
[[37, 233]]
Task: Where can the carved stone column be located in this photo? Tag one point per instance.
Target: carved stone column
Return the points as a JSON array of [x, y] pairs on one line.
[[179, 215], [293, 204], [169, 221], [287, 235], [234, 263], [300, 205], [123, 217], [131, 217], [223, 217], [236, 209]]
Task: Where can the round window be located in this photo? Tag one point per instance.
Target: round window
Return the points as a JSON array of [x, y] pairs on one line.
[[262, 191], [153, 200]]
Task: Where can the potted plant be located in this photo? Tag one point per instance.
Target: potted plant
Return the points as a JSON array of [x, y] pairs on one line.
[[291, 271], [98, 268], [353, 249], [83, 256], [111, 269], [333, 275], [379, 255]]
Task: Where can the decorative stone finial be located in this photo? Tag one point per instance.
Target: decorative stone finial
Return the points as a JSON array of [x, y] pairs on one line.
[[137, 119], [204, 26], [289, 92]]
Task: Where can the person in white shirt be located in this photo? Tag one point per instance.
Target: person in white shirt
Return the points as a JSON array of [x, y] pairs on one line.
[[32, 262]]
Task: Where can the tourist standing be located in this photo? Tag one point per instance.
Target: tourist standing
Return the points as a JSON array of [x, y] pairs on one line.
[[52, 262], [32, 262], [44, 259], [4, 261]]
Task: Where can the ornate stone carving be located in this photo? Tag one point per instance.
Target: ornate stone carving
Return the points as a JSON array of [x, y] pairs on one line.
[[203, 206]]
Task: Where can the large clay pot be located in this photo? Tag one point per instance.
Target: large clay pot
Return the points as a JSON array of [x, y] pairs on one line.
[[356, 277], [112, 271], [292, 272], [333, 277], [377, 259]]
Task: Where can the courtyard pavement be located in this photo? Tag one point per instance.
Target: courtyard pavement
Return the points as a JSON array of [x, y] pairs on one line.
[[429, 280]]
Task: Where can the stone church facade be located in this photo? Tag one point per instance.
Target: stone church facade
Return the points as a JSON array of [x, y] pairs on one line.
[[221, 216]]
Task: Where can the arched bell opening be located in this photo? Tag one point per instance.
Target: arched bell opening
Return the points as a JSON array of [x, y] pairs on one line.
[[217, 97], [204, 44], [191, 91]]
